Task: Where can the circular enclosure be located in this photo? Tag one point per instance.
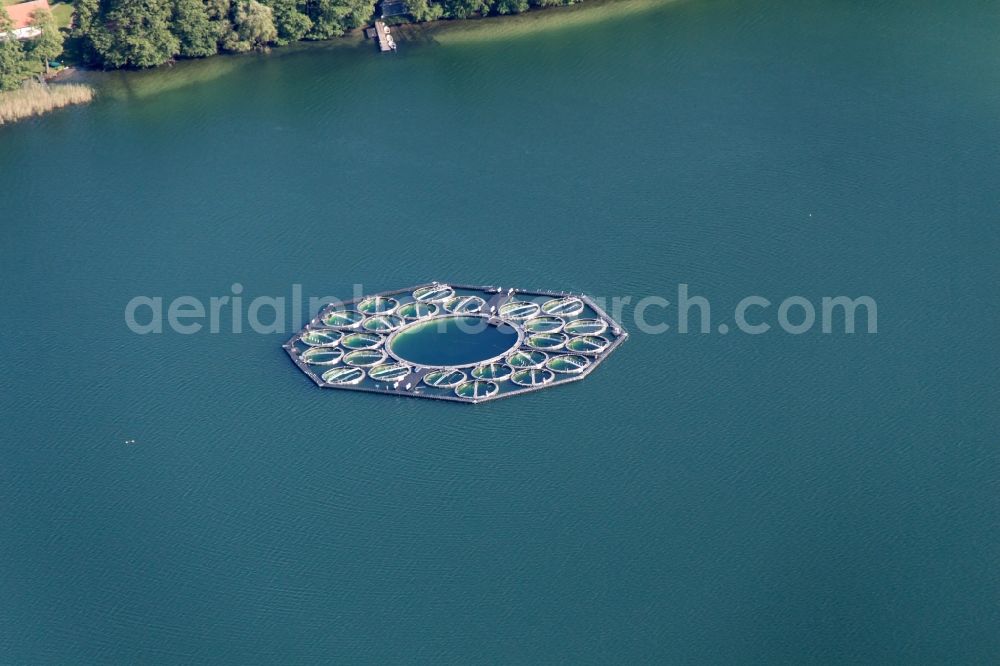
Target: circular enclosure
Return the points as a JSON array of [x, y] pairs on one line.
[[544, 325], [416, 310], [546, 341], [452, 341], [496, 372], [519, 310], [361, 341], [588, 344], [322, 355], [433, 292], [343, 319], [444, 378], [586, 327], [524, 358], [389, 372], [382, 323], [321, 337], [464, 304], [365, 357], [378, 305], [568, 364], [532, 377], [568, 306], [476, 390], [344, 375]]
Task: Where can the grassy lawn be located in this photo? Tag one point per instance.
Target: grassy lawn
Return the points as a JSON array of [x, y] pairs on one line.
[[62, 12]]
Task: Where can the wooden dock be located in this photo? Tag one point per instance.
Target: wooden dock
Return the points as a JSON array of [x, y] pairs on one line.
[[384, 37]]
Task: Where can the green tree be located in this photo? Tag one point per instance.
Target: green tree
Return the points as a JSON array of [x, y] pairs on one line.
[[328, 18], [461, 9], [219, 12], [86, 18], [253, 27], [359, 13], [13, 67], [135, 33], [424, 10], [510, 6], [290, 20], [332, 18], [197, 35], [48, 45]]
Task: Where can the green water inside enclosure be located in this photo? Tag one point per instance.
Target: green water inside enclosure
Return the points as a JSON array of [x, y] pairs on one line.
[[365, 340], [437, 292], [588, 344], [464, 304], [365, 357], [544, 325], [546, 340], [322, 338], [453, 341], [344, 375], [322, 355], [519, 310], [567, 306], [586, 327], [568, 364], [343, 318], [444, 378], [417, 310], [378, 305], [476, 390], [526, 359], [382, 323], [492, 371], [390, 372]]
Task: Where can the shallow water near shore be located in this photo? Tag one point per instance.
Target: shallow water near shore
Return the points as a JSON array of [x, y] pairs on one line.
[[697, 498]]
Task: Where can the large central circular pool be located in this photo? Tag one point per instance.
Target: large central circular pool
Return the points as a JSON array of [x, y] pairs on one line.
[[453, 341]]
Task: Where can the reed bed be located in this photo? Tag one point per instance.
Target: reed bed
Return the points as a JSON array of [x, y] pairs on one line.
[[35, 99]]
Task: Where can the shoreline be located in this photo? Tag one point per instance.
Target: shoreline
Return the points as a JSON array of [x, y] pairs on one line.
[[526, 24], [444, 32]]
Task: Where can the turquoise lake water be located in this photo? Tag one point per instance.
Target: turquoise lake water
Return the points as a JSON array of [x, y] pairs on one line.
[[699, 498]]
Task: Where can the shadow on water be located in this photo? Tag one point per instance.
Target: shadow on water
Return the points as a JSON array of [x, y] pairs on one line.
[[134, 85], [530, 24]]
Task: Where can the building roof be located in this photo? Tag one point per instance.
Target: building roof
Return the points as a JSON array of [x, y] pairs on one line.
[[20, 14]]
